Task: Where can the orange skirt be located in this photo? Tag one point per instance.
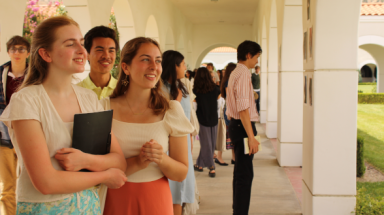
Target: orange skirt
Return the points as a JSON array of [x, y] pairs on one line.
[[147, 198]]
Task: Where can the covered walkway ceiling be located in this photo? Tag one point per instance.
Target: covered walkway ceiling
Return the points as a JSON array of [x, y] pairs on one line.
[[218, 11]]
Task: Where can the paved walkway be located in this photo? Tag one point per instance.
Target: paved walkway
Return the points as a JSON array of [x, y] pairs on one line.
[[272, 192]]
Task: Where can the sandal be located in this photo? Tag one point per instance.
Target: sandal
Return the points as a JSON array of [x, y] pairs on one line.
[[210, 173], [197, 168]]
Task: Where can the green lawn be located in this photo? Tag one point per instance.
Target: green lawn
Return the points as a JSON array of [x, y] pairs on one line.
[[374, 189], [370, 125], [366, 88]]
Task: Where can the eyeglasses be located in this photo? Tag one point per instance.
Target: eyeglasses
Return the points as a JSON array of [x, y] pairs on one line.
[[20, 49]]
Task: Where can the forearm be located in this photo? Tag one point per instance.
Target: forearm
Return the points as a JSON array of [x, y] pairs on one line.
[[133, 165], [172, 169], [246, 121], [98, 163], [62, 182]]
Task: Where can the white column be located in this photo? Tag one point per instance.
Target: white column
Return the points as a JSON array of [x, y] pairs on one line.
[[290, 112], [329, 123], [263, 81], [273, 74], [11, 24], [271, 126]]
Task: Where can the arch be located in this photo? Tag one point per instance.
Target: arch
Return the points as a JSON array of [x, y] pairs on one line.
[[151, 29], [124, 21], [208, 49], [367, 62], [180, 44], [374, 45], [371, 39], [189, 54], [366, 71], [169, 40]]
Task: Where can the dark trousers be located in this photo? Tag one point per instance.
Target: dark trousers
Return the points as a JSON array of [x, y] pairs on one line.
[[243, 171]]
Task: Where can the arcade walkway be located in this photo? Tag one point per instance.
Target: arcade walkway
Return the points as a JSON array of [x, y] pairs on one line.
[[272, 192]]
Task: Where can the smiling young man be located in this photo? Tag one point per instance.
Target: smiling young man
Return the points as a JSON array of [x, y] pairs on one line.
[[12, 75], [101, 45], [241, 108]]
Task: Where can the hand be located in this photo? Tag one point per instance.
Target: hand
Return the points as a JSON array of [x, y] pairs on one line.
[[116, 178], [142, 160], [71, 159], [153, 151], [253, 145]]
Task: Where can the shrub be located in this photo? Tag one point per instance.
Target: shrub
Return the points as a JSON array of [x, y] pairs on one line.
[[367, 83], [367, 205], [360, 167], [360, 91], [374, 89], [112, 24], [371, 98]]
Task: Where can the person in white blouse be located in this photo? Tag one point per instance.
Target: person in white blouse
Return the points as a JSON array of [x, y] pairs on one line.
[[147, 126], [40, 121]]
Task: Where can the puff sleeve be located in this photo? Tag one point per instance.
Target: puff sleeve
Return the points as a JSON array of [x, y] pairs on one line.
[[177, 123], [21, 107], [106, 103]]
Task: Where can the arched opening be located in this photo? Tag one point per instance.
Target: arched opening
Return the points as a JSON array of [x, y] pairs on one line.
[[220, 57], [151, 29], [366, 72], [169, 40], [208, 49], [124, 21], [374, 45]]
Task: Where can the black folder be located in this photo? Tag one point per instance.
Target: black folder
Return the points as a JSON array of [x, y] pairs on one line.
[[92, 132]]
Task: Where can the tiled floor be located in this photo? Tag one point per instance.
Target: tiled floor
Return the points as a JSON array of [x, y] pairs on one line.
[[272, 191], [294, 174]]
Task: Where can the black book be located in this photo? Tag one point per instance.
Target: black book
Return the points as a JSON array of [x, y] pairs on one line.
[[92, 133]]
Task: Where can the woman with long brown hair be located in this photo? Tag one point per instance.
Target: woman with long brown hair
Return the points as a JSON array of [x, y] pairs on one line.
[[40, 121], [147, 126], [223, 88], [207, 94]]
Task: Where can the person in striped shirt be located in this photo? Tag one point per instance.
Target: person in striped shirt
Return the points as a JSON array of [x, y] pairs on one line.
[[241, 108]]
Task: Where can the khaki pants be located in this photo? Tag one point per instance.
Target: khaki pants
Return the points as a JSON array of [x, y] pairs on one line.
[[8, 163]]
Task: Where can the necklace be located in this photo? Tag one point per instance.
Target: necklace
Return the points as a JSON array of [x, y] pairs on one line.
[[132, 110]]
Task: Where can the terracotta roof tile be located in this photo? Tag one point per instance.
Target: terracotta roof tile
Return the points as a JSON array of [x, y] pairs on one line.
[[372, 9], [223, 50]]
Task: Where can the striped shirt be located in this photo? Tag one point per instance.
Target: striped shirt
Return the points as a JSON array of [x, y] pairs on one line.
[[240, 94]]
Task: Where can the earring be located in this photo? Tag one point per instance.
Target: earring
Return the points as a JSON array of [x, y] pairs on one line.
[[126, 81]]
